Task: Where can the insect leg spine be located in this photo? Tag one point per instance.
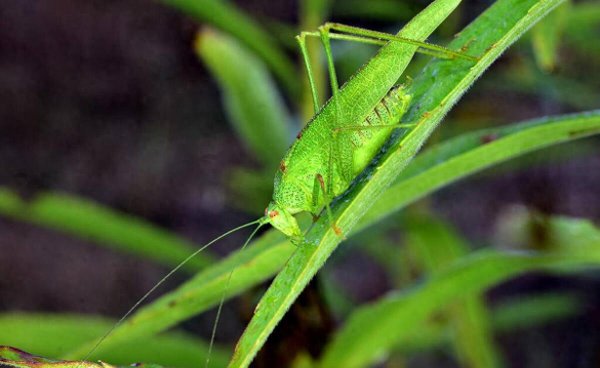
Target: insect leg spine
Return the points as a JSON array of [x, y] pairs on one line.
[[386, 112]]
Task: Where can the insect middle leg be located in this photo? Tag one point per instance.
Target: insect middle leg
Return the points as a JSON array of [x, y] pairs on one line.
[[319, 186]]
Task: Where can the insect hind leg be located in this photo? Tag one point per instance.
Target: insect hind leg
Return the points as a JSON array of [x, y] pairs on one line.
[[369, 36], [338, 31]]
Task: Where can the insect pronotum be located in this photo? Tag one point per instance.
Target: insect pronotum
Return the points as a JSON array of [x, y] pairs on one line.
[[328, 154]]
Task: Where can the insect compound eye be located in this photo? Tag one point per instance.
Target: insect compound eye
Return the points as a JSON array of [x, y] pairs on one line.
[[273, 214]]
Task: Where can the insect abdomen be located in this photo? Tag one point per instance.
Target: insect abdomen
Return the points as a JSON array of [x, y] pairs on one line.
[[386, 114]]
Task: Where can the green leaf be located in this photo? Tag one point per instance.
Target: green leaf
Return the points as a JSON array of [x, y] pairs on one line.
[[473, 152], [51, 335], [518, 313], [374, 329], [11, 357], [439, 246], [226, 16], [525, 229], [534, 310], [91, 221], [546, 37], [273, 250], [583, 20], [439, 86], [250, 96], [257, 264], [427, 180]]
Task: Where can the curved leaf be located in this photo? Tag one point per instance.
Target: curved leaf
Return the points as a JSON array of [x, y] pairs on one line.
[[88, 220], [473, 152], [423, 174], [373, 330], [255, 265], [252, 264], [226, 16], [52, 334], [250, 96]]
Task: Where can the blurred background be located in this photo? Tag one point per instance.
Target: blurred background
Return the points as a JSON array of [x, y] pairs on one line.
[[112, 102]]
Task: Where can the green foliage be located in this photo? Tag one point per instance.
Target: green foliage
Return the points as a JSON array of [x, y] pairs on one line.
[[376, 9], [91, 221], [448, 305], [437, 246], [451, 80], [546, 36], [264, 257], [228, 17], [249, 95], [583, 20], [374, 329], [15, 358], [307, 260], [472, 152], [53, 335]]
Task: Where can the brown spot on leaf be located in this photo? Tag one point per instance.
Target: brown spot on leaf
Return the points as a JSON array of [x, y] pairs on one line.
[[488, 138]]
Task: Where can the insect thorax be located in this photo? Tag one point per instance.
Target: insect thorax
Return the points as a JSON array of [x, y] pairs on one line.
[[304, 174]]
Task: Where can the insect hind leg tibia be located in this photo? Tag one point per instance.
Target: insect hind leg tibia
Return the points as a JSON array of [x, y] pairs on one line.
[[350, 33], [338, 31]]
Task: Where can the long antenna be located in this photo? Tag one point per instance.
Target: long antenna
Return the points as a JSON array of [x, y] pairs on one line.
[[260, 221]]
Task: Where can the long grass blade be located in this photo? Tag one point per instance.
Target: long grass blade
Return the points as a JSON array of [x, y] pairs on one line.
[[85, 219], [375, 329], [226, 16], [251, 99], [435, 168], [52, 335]]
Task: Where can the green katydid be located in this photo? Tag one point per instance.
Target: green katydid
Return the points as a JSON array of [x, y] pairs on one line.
[[329, 154], [331, 151]]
